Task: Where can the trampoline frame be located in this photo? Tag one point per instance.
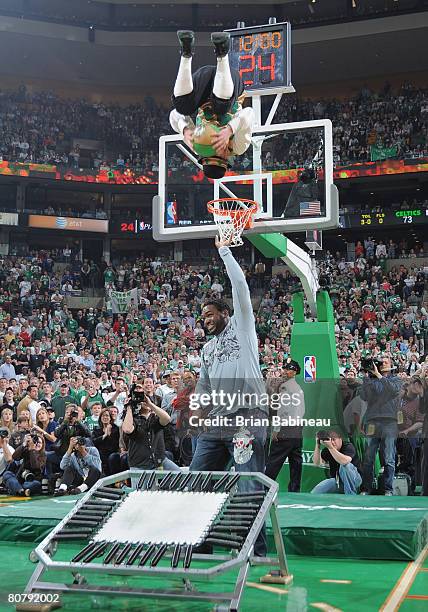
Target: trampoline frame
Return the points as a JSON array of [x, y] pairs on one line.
[[221, 563]]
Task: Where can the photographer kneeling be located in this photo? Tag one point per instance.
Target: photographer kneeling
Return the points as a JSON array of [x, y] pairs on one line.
[[28, 479], [143, 430], [342, 459], [381, 390], [82, 468]]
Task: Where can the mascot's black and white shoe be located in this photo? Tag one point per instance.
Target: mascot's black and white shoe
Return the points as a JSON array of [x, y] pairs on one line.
[[187, 41], [221, 42]]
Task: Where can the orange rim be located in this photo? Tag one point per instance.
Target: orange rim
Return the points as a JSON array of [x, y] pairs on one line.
[[237, 214]]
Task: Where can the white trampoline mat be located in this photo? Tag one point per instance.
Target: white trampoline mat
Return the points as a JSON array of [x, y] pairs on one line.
[[162, 517]]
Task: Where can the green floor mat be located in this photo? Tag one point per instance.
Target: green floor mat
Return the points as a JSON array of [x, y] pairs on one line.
[[369, 527], [367, 586]]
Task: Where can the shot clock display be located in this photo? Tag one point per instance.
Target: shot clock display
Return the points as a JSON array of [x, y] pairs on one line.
[[262, 56], [417, 215]]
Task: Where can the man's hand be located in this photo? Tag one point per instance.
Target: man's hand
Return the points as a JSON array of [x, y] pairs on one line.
[[221, 141], [376, 371], [149, 404], [26, 440], [219, 242], [274, 436], [71, 445], [188, 137], [328, 443]]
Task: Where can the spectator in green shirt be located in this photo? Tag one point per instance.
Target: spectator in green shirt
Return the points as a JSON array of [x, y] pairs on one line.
[[91, 422], [59, 402]]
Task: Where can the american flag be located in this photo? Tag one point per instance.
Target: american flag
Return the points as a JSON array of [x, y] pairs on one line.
[[309, 209]]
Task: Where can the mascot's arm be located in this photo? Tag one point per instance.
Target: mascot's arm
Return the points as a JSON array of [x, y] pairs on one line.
[[242, 127], [180, 122]]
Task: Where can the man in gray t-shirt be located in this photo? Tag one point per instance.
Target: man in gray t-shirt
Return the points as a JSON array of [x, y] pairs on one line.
[[231, 386]]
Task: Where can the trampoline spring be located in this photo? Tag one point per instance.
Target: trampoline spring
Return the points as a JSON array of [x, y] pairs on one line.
[[79, 530], [103, 496], [240, 499], [151, 480], [235, 519], [221, 542], [121, 556], [88, 548], [165, 480], [196, 481], [112, 490], [135, 553], [232, 527], [220, 482], [185, 481], [232, 482], [111, 554], [243, 513], [158, 555], [141, 480], [82, 521], [175, 481], [148, 553], [90, 517], [206, 482], [239, 506], [226, 535], [71, 536], [98, 504], [188, 556], [176, 555], [97, 552]]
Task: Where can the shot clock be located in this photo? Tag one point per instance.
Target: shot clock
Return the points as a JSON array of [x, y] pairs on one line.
[[262, 56]]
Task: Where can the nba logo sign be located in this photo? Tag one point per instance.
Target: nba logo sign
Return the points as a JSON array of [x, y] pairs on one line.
[[310, 368], [171, 213]]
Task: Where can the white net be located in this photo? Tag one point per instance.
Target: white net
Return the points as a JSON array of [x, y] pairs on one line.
[[231, 217]]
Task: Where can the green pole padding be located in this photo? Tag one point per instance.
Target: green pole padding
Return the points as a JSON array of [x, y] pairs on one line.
[[298, 308], [269, 245], [325, 308]]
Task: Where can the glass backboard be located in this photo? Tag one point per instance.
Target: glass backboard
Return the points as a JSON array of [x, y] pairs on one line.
[[288, 171]]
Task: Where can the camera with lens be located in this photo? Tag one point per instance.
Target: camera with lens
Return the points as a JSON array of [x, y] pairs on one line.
[[4, 433], [35, 438], [74, 414], [323, 436], [136, 398], [28, 475], [80, 440], [368, 364]]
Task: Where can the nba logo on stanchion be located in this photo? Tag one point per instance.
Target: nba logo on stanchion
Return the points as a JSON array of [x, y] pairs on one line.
[[310, 368], [171, 213]]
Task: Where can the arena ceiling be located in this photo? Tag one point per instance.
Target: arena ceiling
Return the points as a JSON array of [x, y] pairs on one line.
[[320, 55]]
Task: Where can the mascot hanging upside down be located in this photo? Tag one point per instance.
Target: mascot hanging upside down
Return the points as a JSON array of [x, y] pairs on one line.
[[215, 93]]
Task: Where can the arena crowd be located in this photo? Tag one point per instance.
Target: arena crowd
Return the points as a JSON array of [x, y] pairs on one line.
[[65, 374], [41, 127]]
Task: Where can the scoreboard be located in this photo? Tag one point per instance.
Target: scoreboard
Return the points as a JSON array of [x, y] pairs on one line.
[[387, 217], [262, 56]]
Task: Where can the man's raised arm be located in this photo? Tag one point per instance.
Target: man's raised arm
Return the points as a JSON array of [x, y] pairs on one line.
[[242, 306]]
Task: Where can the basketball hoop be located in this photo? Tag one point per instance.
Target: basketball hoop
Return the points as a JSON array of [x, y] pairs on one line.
[[232, 216]]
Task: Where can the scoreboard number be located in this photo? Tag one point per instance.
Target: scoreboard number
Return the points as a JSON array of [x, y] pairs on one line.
[[262, 56]]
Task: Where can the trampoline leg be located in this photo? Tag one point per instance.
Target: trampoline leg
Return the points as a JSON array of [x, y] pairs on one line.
[[239, 588], [282, 576], [38, 571]]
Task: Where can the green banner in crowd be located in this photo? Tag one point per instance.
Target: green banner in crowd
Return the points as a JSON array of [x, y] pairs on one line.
[[121, 301], [379, 153]]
